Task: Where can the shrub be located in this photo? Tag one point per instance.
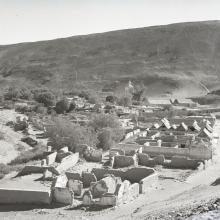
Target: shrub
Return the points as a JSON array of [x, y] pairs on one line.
[[100, 121], [111, 99], [105, 139], [125, 101], [65, 133], [25, 93], [71, 107], [36, 153], [11, 93], [22, 108], [44, 96], [62, 106]]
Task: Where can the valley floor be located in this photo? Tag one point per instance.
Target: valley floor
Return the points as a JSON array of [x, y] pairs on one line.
[[177, 190]]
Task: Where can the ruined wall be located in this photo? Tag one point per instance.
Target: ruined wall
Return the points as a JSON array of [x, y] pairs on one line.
[[148, 183], [145, 160], [168, 152], [101, 172], [68, 162], [200, 153], [136, 174], [62, 195], [51, 158], [13, 196], [121, 161], [183, 163]]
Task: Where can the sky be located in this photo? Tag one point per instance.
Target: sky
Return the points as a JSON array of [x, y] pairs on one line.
[[34, 20]]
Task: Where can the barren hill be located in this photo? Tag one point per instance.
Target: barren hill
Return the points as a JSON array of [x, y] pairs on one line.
[[164, 58]]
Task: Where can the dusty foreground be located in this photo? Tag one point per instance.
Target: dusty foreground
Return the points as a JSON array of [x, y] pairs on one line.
[[178, 195]]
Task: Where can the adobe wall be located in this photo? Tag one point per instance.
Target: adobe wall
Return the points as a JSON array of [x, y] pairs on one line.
[[107, 200], [145, 160], [136, 174], [133, 191], [13, 196], [62, 195], [183, 163], [148, 183], [101, 172], [168, 152], [121, 161], [51, 158], [68, 162], [200, 153]]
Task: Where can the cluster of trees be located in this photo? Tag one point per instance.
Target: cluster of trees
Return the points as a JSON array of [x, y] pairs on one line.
[[46, 98], [136, 97], [102, 132]]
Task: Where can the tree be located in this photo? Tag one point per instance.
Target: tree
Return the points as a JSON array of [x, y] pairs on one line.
[[65, 133], [125, 101], [105, 137], [25, 94], [11, 93], [62, 106], [111, 99], [108, 128], [44, 96], [100, 121]]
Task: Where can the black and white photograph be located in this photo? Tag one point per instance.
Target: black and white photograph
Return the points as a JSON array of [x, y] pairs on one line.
[[109, 110]]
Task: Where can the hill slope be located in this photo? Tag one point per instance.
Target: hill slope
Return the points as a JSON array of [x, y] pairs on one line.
[[164, 58]]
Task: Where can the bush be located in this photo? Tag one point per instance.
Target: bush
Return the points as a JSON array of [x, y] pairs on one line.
[[111, 99], [105, 139], [40, 109], [36, 153], [22, 108], [44, 96], [26, 94], [100, 121], [125, 101], [62, 106], [11, 93], [65, 133]]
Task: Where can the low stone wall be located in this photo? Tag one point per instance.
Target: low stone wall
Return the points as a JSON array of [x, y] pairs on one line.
[[68, 162], [13, 196], [168, 152], [51, 158], [121, 161], [101, 173], [149, 182], [145, 160], [183, 163], [134, 174], [62, 195]]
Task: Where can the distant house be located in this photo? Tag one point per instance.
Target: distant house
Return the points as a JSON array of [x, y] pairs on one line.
[[205, 134], [165, 125], [194, 127], [182, 127]]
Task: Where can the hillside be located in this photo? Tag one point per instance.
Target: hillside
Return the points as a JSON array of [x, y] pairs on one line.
[[166, 58]]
